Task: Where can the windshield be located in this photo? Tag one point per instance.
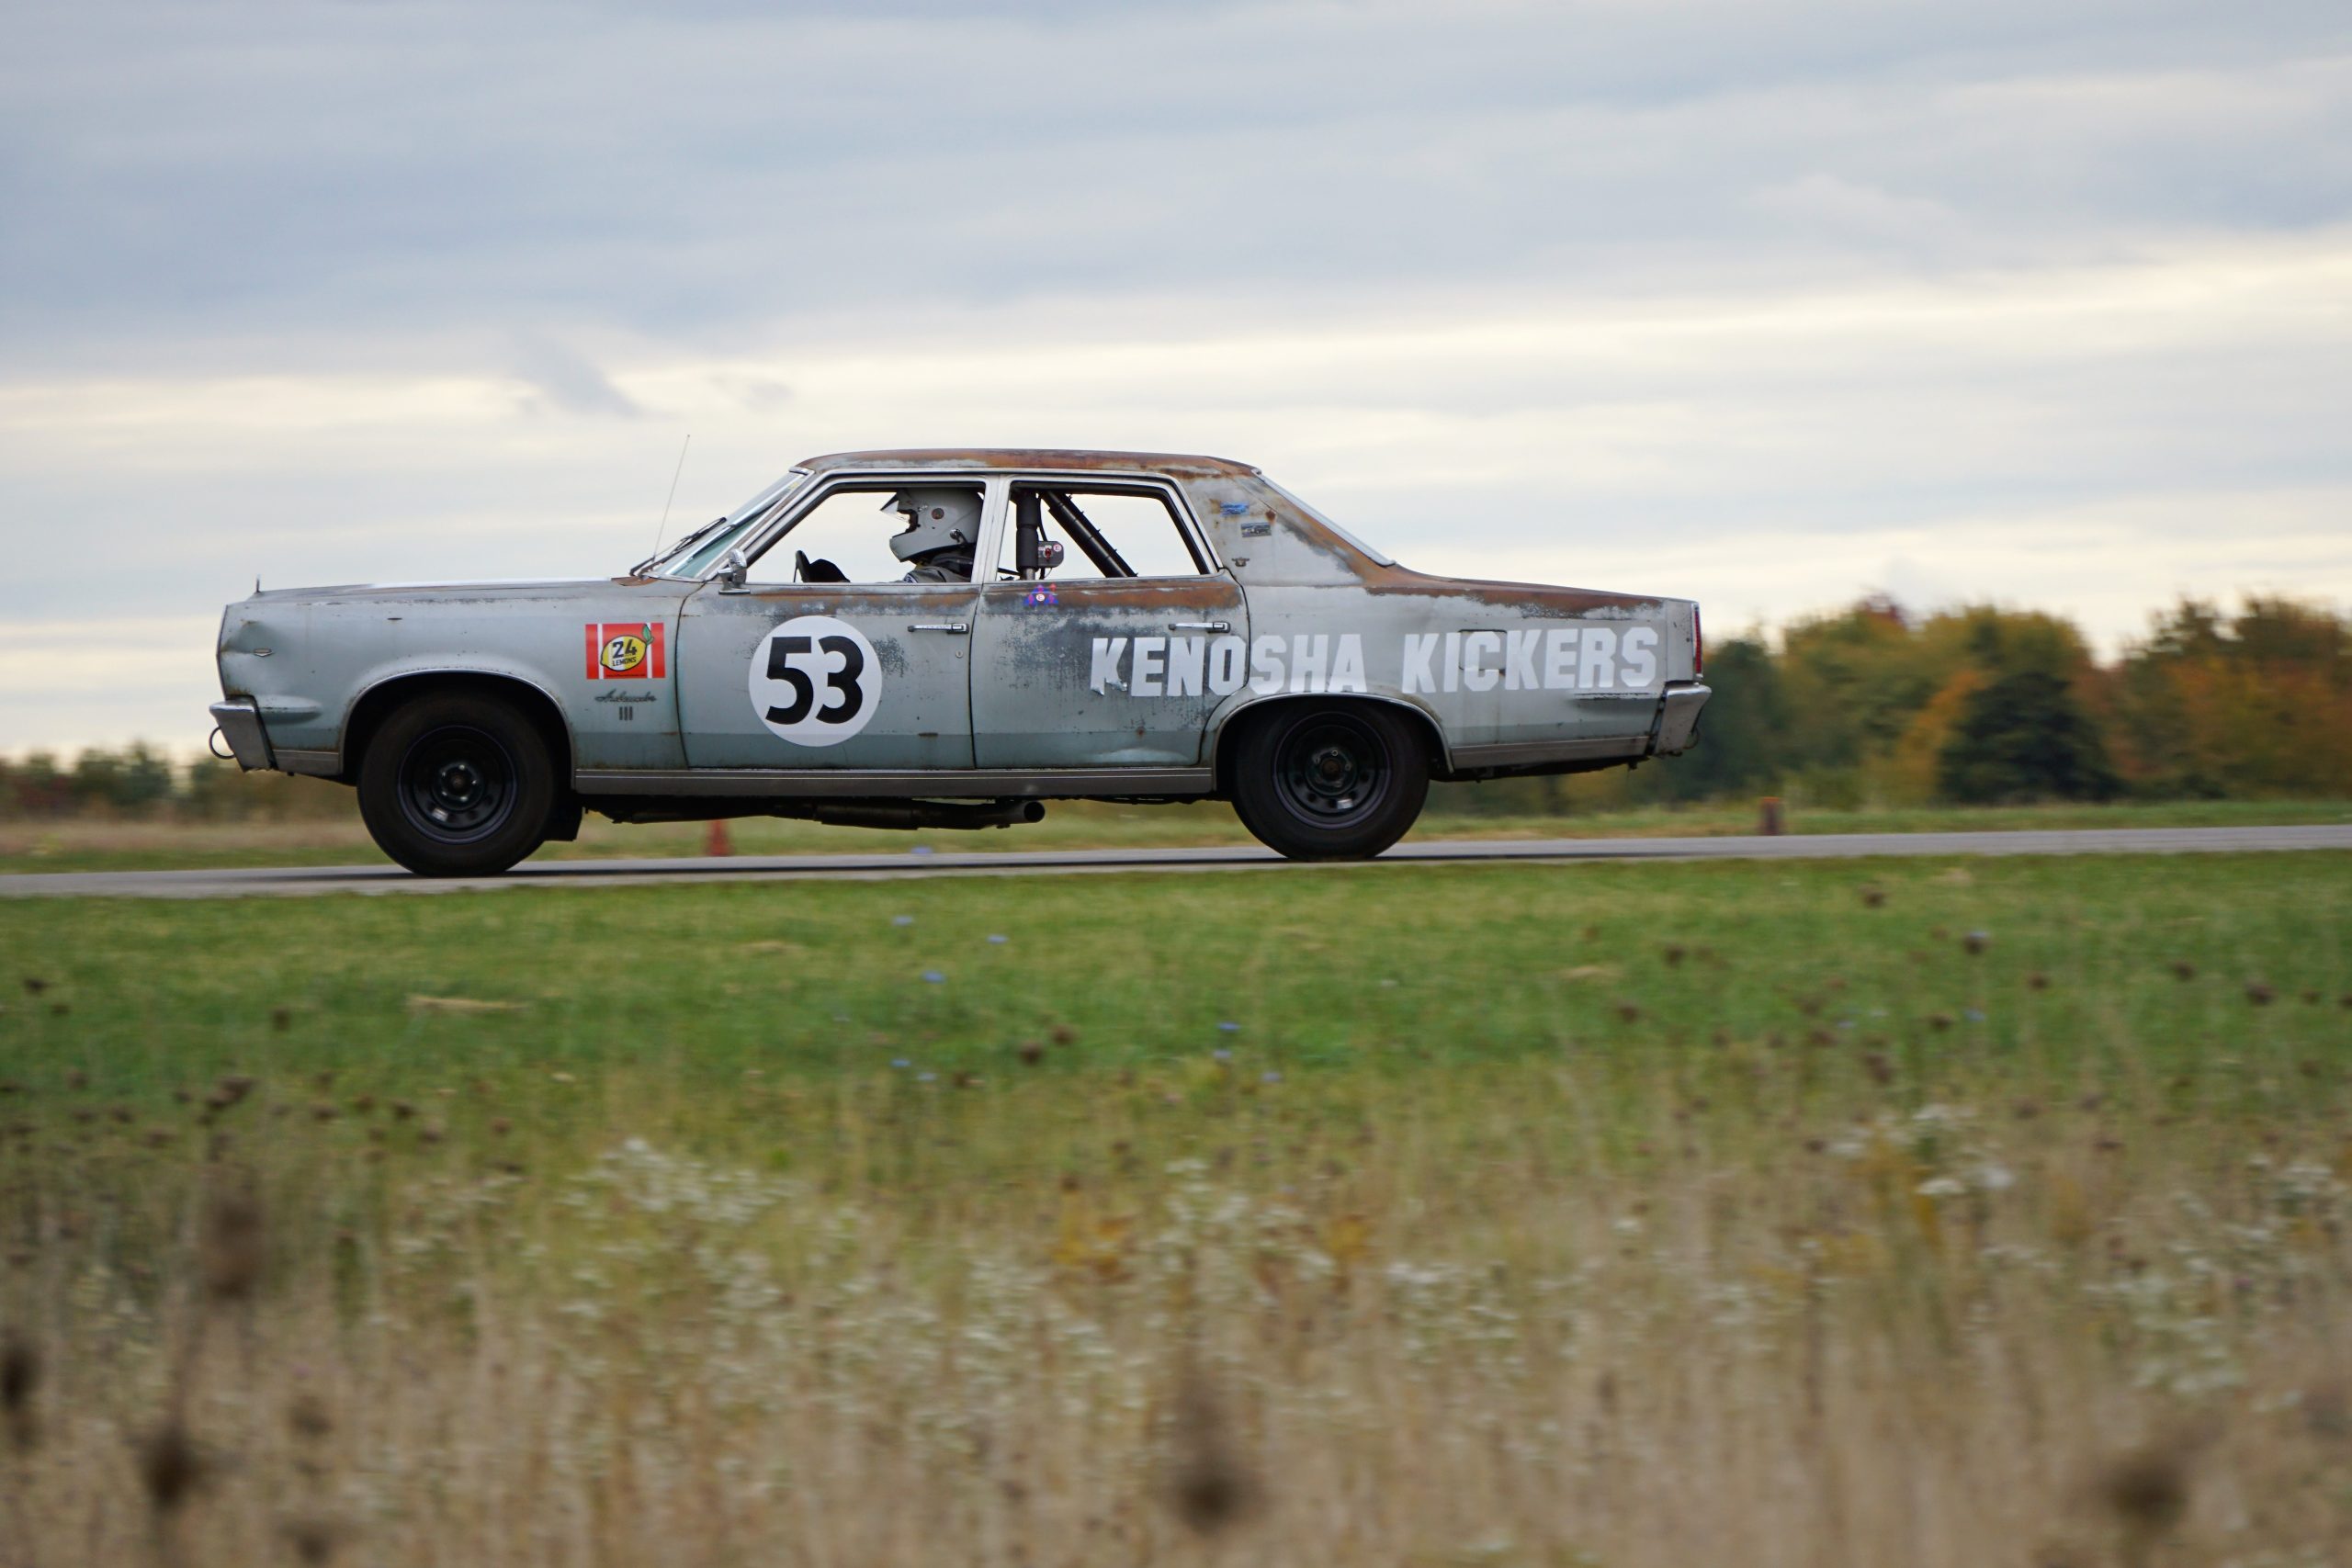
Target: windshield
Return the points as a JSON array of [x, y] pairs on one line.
[[694, 554]]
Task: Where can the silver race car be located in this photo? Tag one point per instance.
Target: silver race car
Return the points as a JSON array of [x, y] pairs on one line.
[[946, 639]]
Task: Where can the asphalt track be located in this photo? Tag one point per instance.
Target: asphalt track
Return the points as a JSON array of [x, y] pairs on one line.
[[247, 883]]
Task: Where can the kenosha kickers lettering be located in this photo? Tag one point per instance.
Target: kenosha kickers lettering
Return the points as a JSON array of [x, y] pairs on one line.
[[1537, 658]]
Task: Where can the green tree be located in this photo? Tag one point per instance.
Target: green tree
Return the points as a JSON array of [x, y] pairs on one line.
[[2023, 736], [1740, 744]]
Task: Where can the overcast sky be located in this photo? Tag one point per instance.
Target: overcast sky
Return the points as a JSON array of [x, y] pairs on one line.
[[2041, 301]]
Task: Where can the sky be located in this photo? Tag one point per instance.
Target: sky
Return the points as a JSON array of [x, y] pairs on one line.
[[1767, 304]]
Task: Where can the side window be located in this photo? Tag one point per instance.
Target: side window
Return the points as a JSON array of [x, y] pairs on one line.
[[915, 531], [1109, 532]]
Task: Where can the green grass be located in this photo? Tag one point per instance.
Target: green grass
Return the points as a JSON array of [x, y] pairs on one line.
[[29, 845], [1646, 971], [1979, 1192]]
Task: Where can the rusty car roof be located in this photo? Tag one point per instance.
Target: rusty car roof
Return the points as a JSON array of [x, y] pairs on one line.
[[1026, 457]]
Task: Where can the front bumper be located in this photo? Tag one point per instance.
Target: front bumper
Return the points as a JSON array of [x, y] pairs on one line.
[[239, 720], [1678, 718]]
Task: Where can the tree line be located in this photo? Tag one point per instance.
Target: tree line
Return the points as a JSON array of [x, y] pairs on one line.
[[1870, 704]]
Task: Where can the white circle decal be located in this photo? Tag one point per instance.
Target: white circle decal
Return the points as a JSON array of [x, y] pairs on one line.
[[815, 681]]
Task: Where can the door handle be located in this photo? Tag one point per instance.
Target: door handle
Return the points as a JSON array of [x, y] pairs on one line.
[[1200, 625], [953, 629]]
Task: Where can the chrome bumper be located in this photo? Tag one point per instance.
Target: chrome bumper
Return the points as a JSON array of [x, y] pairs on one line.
[[1678, 718], [240, 723]]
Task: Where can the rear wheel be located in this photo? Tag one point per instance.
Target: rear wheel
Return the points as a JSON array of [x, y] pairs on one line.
[[457, 786], [1339, 780]]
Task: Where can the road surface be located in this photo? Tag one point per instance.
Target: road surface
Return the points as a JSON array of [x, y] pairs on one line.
[[243, 883]]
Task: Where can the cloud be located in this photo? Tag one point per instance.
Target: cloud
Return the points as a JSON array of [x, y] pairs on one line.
[[1758, 300], [567, 379]]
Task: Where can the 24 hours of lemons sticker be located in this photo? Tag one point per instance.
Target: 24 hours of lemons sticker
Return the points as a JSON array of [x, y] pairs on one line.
[[626, 650]]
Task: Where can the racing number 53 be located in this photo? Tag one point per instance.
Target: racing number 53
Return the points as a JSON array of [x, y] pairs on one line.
[[814, 681], [843, 680]]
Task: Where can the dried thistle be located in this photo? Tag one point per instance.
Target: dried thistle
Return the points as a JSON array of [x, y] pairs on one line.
[[1210, 1486], [19, 1379], [171, 1468], [230, 1245], [309, 1416], [311, 1536], [2146, 1490]]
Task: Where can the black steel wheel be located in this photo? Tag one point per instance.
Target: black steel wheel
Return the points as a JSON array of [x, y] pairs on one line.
[[456, 784], [1330, 781]]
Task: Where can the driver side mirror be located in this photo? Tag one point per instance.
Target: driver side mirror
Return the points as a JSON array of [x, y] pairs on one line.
[[1049, 554], [733, 567]]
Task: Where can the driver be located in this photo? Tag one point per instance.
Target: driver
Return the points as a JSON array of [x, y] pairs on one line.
[[943, 526]]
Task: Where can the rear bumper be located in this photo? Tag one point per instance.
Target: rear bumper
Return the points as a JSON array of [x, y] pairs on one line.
[[240, 723], [1678, 718]]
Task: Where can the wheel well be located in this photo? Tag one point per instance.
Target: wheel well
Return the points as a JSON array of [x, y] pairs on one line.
[[1260, 712], [379, 703]]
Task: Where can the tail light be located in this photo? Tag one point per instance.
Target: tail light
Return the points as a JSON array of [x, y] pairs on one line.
[[1697, 645]]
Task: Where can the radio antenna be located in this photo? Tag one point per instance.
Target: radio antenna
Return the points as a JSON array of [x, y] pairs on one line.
[[662, 527]]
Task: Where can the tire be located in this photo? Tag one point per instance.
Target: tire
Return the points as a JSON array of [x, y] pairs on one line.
[[456, 784], [1330, 781]]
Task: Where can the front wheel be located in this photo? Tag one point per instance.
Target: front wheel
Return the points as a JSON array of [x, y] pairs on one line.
[[457, 786], [1339, 780]]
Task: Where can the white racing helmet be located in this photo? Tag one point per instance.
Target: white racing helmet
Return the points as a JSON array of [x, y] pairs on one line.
[[936, 520]]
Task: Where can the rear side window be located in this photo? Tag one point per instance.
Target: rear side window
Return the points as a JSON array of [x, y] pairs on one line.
[[1105, 532]]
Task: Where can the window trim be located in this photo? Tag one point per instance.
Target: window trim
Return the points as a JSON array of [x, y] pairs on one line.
[[1084, 480], [776, 530]]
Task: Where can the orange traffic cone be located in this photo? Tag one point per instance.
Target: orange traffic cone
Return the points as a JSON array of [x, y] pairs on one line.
[[718, 843]]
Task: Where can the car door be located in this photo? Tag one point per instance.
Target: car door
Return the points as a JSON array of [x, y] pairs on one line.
[[787, 673], [1115, 656]]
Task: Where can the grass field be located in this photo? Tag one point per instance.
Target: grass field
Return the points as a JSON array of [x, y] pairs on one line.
[[1695, 1214], [34, 845]]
